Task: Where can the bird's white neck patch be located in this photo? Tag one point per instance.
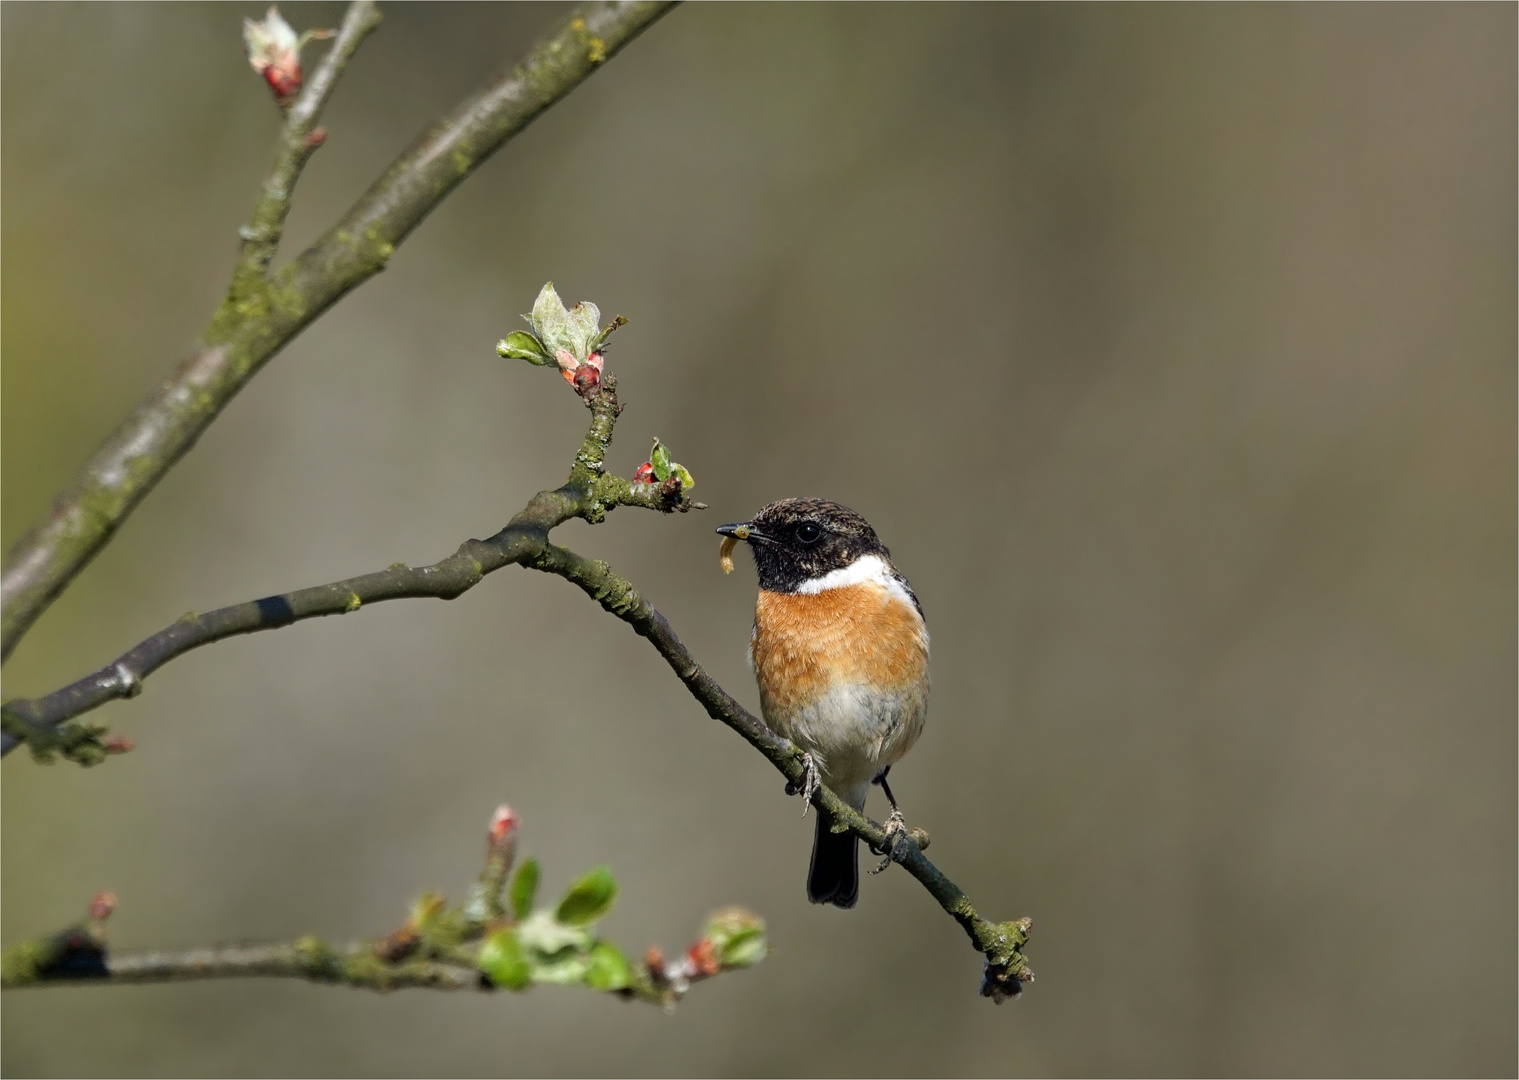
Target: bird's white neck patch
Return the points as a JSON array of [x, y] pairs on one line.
[[865, 569]]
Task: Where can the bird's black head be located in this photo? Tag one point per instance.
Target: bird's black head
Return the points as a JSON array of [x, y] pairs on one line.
[[797, 540]]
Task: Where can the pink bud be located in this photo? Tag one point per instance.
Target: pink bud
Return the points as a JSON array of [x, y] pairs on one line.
[[117, 744], [644, 474], [274, 52], [102, 905], [284, 79], [702, 959], [503, 824]]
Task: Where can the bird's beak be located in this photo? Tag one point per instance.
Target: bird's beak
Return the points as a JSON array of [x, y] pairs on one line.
[[745, 530]]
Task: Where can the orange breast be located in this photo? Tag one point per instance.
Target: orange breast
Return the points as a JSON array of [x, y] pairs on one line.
[[805, 643]]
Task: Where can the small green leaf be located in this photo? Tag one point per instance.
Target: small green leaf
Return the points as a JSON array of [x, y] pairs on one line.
[[503, 963], [687, 481], [524, 889], [659, 457], [738, 937], [520, 345], [609, 969], [589, 899]]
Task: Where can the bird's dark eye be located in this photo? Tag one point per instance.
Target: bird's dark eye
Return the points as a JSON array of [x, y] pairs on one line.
[[808, 533]]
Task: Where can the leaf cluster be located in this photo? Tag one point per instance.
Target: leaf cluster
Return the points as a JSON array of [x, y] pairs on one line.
[[557, 945]]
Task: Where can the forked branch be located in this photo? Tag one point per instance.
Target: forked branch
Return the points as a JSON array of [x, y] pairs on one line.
[[262, 313], [589, 493]]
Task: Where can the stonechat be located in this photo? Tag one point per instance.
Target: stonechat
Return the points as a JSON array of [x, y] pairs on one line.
[[840, 651]]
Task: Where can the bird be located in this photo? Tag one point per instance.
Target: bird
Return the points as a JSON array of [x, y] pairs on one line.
[[839, 649]]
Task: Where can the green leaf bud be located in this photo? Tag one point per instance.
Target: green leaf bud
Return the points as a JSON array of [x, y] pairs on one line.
[[664, 468], [572, 331], [738, 937], [659, 457]]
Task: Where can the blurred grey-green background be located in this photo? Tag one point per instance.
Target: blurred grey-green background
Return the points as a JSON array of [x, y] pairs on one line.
[[1171, 349]]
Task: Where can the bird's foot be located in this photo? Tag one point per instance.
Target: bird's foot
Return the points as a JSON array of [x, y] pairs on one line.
[[896, 847], [811, 781]]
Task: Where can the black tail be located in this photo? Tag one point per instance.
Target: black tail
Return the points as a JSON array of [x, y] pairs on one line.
[[834, 877]]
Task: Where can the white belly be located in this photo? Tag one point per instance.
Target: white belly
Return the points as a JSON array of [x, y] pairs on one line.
[[854, 732]]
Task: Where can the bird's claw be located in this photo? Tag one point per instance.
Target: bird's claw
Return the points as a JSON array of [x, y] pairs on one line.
[[811, 781], [895, 847]]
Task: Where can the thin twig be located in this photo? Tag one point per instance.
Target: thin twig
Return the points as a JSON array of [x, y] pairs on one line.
[[589, 493], [1001, 943], [259, 317], [356, 964], [299, 139], [305, 958]]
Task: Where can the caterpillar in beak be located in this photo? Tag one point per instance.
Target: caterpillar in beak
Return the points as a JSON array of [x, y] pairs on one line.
[[725, 551]]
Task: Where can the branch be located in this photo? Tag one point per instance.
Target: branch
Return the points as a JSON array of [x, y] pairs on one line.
[[260, 315], [589, 494], [304, 958], [495, 940], [1006, 969]]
